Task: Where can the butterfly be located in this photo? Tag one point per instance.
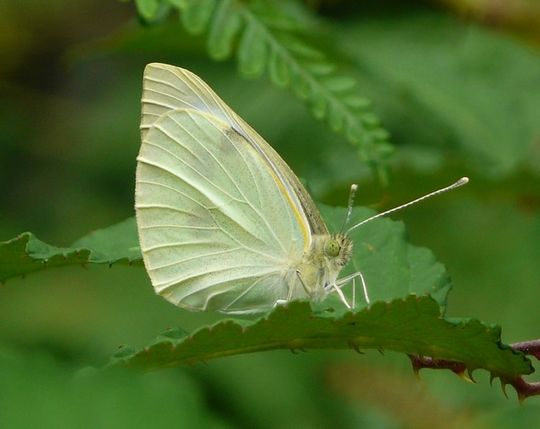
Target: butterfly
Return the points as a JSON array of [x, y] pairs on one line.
[[224, 224]]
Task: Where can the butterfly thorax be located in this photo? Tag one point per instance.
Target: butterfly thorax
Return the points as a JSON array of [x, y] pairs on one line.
[[322, 263]]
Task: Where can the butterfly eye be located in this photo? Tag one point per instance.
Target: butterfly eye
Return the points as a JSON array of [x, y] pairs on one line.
[[332, 248]]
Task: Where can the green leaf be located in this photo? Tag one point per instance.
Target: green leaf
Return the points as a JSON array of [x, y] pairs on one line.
[[356, 101], [224, 27], [460, 86], [26, 254], [412, 325], [300, 48], [177, 3], [116, 243], [278, 69], [196, 15], [340, 84], [391, 267], [147, 8], [321, 69], [335, 120], [252, 52]]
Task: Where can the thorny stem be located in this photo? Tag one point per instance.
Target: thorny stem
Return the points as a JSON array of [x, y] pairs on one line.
[[523, 388], [530, 348]]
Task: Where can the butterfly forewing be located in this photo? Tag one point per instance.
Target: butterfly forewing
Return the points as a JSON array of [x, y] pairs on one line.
[[167, 88]]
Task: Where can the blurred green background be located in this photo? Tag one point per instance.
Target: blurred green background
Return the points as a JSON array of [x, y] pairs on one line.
[[456, 82]]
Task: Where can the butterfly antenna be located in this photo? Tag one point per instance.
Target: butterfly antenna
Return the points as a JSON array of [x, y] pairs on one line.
[[350, 203], [460, 182]]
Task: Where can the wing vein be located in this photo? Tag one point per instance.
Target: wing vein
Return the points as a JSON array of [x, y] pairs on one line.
[[233, 181], [166, 285], [147, 162], [245, 292], [202, 176], [155, 91], [214, 228], [177, 141], [206, 255], [148, 182], [165, 207]]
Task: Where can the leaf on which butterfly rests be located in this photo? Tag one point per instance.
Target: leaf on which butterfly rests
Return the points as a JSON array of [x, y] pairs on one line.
[[117, 243], [26, 254], [411, 325], [391, 267]]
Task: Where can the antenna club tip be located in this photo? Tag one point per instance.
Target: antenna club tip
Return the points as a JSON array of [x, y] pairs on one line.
[[462, 181], [354, 187]]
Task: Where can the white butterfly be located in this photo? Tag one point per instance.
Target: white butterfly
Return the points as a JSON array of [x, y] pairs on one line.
[[224, 224]]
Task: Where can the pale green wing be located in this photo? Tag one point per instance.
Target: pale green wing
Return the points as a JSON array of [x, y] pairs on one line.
[[166, 87], [217, 230]]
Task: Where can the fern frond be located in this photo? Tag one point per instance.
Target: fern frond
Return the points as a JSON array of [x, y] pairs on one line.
[[265, 38]]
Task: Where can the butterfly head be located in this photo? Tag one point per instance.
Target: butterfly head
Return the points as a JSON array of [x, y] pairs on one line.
[[338, 248]]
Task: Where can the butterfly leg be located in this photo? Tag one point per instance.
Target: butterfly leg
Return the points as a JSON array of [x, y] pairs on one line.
[[341, 295], [299, 274], [342, 282], [353, 292], [290, 293]]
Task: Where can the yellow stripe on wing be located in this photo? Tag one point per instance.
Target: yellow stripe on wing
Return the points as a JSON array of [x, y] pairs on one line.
[[306, 232]]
